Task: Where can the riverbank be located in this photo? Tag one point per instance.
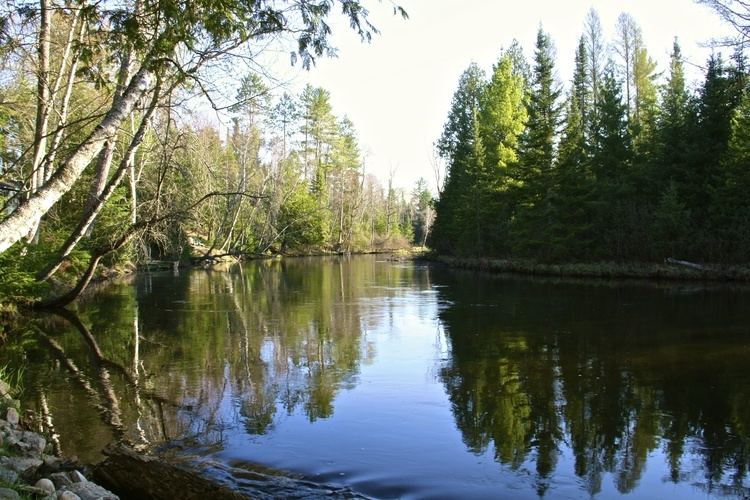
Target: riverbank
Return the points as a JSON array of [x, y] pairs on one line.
[[31, 466], [27, 470], [603, 270]]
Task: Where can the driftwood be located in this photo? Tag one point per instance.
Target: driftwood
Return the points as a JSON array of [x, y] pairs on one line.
[[137, 476], [684, 263], [133, 475]]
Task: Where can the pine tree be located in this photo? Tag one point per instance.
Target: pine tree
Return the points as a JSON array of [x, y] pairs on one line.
[[730, 206], [643, 120], [503, 117], [457, 146], [672, 125], [318, 129], [572, 196], [611, 159], [536, 152]]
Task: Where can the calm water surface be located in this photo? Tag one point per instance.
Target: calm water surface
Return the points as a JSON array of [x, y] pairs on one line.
[[408, 380]]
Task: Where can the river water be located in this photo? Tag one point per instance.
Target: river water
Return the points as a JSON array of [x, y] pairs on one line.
[[403, 379]]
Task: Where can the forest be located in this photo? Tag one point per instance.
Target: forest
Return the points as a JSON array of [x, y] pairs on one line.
[[626, 163], [107, 161]]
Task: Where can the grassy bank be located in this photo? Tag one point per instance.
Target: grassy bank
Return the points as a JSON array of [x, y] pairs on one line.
[[606, 270]]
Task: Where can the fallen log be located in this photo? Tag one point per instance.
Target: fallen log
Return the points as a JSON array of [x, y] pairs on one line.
[[685, 263], [134, 475]]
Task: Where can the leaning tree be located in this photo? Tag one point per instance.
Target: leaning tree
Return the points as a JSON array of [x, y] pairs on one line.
[[142, 50]]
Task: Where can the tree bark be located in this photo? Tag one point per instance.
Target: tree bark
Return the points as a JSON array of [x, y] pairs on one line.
[[65, 101], [29, 211], [42, 108], [89, 216], [103, 164]]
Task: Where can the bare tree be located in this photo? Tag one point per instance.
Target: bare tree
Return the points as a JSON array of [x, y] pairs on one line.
[[737, 14]]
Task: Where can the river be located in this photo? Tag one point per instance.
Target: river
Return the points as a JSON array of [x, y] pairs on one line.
[[404, 379]]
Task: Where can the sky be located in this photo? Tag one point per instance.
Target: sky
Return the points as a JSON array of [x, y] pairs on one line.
[[397, 89]]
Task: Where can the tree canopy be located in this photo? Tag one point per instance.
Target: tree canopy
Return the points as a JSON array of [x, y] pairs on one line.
[[629, 165]]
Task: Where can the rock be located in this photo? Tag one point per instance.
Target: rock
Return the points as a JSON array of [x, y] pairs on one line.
[[8, 494], [46, 485], [91, 491], [60, 479], [52, 463], [23, 465], [12, 416], [33, 490], [18, 445], [36, 442], [4, 389], [77, 477], [68, 495], [8, 476]]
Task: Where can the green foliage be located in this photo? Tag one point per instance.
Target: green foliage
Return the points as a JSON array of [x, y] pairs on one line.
[[301, 221], [17, 279], [530, 230], [654, 173], [479, 143], [671, 223]]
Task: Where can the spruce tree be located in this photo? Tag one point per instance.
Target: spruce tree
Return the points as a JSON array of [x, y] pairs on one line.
[[730, 204], [672, 124], [536, 153], [502, 118], [456, 145], [572, 195], [708, 140], [611, 159]]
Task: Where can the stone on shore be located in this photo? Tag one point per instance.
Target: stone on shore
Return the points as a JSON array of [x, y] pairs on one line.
[[77, 477], [12, 416], [8, 494], [36, 442], [22, 465], [45, 485], [91, 491], [8, 476], [67, 495], [27, 463], [60, 479]]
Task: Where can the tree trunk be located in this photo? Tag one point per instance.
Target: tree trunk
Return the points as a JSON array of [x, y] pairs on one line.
[[42, 108], [65, 101], [24, 218], [127, 163], [101, 174]]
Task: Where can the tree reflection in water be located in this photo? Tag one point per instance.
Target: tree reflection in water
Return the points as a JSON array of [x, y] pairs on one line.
[[611, 373], [567, 380], [158, 365]]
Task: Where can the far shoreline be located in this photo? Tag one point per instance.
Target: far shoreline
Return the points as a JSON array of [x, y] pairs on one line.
[[643, 271]]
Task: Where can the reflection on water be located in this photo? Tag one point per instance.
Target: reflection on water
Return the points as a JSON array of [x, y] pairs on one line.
[[408, 380]]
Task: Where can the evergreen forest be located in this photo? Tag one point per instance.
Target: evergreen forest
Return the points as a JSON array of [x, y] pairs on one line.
[[628, 162]]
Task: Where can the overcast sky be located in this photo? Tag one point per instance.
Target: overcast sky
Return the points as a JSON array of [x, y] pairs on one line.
[[397, 89]]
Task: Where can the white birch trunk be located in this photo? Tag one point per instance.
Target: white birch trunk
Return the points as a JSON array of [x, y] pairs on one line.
[[28, 212]]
